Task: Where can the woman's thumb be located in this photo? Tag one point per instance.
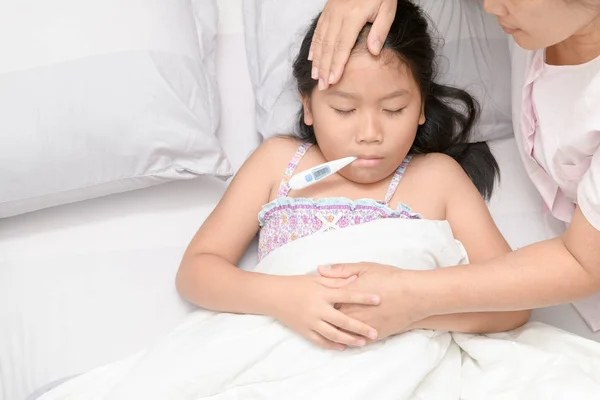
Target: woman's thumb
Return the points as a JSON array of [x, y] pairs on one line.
[[339, 270]]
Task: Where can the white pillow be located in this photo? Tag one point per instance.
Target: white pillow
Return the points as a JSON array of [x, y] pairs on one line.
[[475, 57], [105, 97], [237, 133]]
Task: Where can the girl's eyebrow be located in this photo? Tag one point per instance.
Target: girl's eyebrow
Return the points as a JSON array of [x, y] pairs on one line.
[[397, 93], [348, 95], [340, 93]]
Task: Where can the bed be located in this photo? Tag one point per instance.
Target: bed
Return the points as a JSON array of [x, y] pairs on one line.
[[87, 283]]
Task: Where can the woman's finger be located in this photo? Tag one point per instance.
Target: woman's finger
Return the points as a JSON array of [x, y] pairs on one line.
[[320, 341], [340, 296], [344, 43], [336, 283], [328, 46], [342, 270], [314, 54], [381, 26], [335, 335], [342, 321]]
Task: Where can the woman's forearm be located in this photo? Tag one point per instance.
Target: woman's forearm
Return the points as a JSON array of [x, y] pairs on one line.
[[210, 282], [485, 322], [540, 275]]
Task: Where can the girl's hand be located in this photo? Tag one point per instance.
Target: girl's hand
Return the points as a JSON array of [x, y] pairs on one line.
[[306, 304], [337, 31]]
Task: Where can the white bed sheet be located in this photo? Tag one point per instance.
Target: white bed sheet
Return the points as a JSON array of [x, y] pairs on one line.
[[116, 257]]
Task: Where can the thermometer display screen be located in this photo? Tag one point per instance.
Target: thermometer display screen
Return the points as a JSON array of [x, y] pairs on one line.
[[321, 172]]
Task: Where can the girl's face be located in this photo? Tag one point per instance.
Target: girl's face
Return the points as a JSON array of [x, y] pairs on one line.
[[537, 24], [372, 113]]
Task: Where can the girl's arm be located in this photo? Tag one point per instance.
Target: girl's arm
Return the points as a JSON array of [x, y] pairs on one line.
[[209, 278], [474, 227]]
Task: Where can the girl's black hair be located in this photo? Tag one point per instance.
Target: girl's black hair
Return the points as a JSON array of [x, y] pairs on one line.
[[450, 113]]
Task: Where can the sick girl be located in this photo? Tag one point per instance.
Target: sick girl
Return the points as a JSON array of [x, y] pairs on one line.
[[414, 160]]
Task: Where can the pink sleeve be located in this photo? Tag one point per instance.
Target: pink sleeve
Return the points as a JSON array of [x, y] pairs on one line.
[[588, 198], [588, 192]]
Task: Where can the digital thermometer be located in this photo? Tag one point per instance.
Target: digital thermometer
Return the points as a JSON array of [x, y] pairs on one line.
[[311, 176]]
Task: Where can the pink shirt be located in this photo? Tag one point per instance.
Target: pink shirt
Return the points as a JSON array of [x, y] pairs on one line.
[[560, 135], [556, 117]]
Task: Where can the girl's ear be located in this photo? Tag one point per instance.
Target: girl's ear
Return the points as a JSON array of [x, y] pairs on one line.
[[306, 108], [422, 118]]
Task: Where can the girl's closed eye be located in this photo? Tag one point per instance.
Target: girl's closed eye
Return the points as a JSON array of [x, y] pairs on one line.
[[394, 112], [342, 112], [348, 112]]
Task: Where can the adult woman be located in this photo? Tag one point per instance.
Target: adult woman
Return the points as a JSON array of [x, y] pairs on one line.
[[558, 133]]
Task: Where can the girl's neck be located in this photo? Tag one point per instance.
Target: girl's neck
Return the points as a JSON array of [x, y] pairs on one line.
[[582, 47]]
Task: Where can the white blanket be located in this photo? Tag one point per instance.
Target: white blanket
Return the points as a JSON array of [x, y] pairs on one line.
[[225, 356]]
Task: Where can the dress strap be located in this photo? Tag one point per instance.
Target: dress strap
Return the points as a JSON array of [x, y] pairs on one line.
[[396, 179], [284, 188]]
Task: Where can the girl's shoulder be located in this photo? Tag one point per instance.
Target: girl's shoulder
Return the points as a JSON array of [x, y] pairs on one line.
[[270, 160], [441, 174], [275, 153], [436, 165], [280, 145]]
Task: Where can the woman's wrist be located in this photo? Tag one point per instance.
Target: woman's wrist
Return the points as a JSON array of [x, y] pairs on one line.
[[410, 294]]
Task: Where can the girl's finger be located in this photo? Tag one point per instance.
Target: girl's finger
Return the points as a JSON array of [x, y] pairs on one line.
[[335, 335], [342, 321], [323, 343]]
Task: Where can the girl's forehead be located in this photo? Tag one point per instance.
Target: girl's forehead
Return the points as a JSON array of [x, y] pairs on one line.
[[385, 69], [387, 57]]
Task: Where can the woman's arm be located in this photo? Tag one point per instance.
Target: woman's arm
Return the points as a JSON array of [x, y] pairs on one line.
[[473, 226], [548, 273], [544, 274]]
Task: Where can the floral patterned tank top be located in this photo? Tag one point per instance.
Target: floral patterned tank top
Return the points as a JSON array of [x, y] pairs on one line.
[[286, 219]]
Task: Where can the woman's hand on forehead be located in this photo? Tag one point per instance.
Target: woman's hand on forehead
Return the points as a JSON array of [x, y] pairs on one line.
[[337, 31]]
